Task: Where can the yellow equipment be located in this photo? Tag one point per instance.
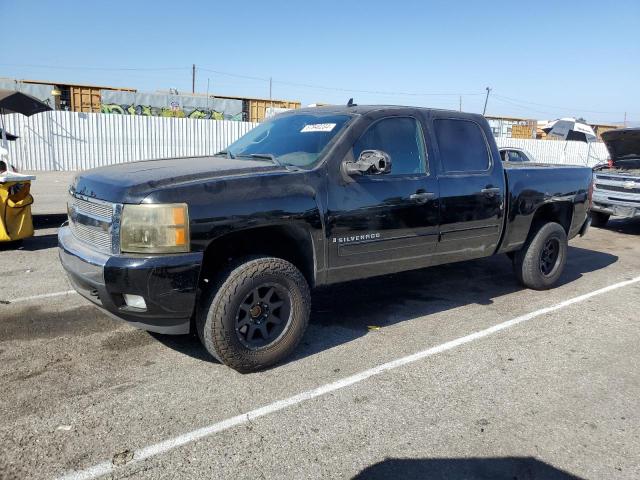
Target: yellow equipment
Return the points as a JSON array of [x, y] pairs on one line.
[[16, 222]]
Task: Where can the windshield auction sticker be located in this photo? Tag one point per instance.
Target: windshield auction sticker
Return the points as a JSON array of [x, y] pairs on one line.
[[318, 127]]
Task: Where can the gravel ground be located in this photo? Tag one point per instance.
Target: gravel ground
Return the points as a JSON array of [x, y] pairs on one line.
[[556, 396]]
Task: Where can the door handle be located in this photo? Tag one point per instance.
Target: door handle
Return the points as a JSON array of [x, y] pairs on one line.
[[421, 197], [490, 191]]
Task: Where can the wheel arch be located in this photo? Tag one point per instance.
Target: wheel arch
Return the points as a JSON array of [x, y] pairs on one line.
[[558, 212], [291, 242]]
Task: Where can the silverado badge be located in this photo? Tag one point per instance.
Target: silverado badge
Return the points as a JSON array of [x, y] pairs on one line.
[[356, 238]]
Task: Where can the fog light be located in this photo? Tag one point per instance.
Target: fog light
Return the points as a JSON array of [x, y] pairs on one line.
[[135, 301]]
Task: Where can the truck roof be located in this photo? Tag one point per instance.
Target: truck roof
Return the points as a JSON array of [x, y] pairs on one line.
[[364, 109]]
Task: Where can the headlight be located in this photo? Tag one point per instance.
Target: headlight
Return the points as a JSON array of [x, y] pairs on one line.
[[155, 228]]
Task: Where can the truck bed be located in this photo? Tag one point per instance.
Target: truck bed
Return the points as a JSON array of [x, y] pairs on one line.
[[532, 185]]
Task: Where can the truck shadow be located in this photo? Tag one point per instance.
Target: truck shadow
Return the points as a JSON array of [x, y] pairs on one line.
[[500, 468], [345, 312], [628, 226], [38, 242], [33, 244], [51, 220]]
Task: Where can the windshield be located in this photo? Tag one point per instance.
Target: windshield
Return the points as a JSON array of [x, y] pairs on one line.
[[296, 139]]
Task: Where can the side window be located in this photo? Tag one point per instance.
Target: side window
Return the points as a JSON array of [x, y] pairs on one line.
[[401, 138], [462, 146]]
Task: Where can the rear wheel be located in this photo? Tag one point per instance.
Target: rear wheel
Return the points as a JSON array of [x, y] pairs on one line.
[[541, 261], [599, 219], [257, 315]]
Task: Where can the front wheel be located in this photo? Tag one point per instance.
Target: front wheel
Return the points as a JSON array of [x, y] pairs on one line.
[[258, 314], [542, 259]]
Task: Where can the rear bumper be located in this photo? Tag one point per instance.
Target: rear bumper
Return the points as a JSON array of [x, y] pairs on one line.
[[618, 204], [167, 283]]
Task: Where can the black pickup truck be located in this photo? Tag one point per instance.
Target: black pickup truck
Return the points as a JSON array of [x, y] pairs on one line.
[[229, 245]]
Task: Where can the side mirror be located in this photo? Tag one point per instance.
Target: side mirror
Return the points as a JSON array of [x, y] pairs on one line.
[[370, 162]]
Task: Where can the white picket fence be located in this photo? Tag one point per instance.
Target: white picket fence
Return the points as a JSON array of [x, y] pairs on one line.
[[553, 151], [78, 141]]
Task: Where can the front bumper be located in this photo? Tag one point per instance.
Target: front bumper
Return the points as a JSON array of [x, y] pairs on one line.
[[614, 203], [168, 283]]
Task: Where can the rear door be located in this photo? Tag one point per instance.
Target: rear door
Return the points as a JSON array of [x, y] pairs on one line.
[[472, 189], [385, 223]]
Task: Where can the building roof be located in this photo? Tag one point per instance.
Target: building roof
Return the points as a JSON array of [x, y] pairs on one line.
[[230, 97], [515, 119], [85, 85]]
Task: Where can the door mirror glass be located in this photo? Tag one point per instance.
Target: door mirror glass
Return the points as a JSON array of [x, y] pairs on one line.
[[370, 162]]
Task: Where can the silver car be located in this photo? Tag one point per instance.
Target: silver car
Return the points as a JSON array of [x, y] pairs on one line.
[[515, 155]]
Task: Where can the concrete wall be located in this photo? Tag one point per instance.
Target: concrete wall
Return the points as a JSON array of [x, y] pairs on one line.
[[165, 105]]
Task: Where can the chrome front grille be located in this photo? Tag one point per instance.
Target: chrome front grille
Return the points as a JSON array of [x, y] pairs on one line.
[[626, 186], [99, 240], [102, 210], [93, 222], [618, 188]]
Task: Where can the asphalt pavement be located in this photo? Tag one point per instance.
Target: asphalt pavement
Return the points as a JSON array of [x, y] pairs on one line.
[[451, 372]]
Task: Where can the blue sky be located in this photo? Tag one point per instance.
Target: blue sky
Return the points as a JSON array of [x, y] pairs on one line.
[[542, 60]]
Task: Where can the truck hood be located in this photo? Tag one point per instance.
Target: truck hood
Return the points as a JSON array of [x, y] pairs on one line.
[[132, 182], [623, 143]]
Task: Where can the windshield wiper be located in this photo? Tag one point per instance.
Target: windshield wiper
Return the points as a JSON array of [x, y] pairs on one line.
[[269, 156], [227, 153]]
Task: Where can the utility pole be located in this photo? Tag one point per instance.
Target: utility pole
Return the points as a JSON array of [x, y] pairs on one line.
[[486, 99], [460, 102], [270, 90], [193, 78], [207, 94], [625, 119]]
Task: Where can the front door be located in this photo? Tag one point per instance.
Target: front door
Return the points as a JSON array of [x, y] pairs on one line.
[[389, 222]]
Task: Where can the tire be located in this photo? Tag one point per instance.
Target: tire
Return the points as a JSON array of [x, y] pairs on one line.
[[249, 298], [535, 265], [599, 219]]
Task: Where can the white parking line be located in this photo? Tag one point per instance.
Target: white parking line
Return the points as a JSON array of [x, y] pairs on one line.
[[44, 295], [165, 446]]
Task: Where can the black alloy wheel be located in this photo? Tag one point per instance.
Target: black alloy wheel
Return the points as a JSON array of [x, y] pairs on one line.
[[263, 316], [549, 256]]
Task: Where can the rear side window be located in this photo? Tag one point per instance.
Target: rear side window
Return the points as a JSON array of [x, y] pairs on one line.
[[462, 146], [401, 138]]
